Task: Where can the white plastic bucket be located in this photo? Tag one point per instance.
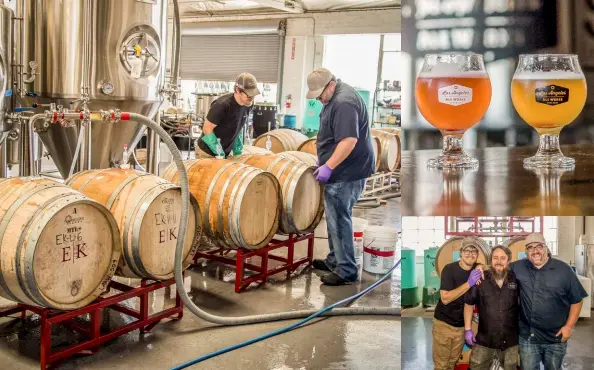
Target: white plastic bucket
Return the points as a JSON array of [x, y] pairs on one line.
[[359, 226], [379, 249]]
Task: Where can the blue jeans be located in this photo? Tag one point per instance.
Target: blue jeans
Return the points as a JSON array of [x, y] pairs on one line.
[[532, 354], [339, 200]]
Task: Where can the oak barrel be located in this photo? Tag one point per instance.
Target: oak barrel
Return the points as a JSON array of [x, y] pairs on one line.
[[303, 200], [309, 146], [58, 248], [147, 209], [391, 130], [377, 148], [451, 248], [283, 140], [250, 149], [240, 204], [308, 159], [517, 246], [390, 150]]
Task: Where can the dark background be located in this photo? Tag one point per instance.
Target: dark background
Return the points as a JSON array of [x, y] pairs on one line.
[[500, 30]]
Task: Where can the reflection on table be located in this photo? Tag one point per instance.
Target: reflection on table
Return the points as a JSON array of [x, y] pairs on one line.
[[500, 186]]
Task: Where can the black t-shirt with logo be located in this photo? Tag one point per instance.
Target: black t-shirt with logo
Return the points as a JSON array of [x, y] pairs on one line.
[[229, 117], [452, 276], [498, 311]]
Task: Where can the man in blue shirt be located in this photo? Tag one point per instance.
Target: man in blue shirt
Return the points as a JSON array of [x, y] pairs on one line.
[[551, 298], [346, 159]]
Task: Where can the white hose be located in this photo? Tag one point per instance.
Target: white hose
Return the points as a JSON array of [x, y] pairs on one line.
[[179, 257]]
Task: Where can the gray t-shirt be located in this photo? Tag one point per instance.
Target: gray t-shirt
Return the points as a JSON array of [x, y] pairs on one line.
[[346, 116]]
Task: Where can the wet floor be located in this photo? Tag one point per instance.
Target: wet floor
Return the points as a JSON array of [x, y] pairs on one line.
[[416, 347], [369, 342]]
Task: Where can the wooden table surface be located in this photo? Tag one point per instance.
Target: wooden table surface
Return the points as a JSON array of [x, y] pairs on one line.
[[499, 187]]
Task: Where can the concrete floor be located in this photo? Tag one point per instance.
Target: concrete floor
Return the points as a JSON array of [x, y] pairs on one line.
[[332, 343], [416, 348]]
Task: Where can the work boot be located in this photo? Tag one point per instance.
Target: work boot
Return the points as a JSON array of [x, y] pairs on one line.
[[333, 279], [320, 265]]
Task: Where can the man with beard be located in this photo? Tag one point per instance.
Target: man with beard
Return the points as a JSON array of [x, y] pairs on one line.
[[497, 301], [448, 323], [551, 298]]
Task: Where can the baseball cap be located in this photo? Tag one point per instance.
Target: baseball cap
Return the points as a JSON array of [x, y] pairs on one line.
[[468, 242], [535, 238], [247, 82], [317, 81]]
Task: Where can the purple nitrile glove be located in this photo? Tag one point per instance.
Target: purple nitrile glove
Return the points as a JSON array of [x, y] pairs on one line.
[[469, 338], [323, 173], [475, 276]]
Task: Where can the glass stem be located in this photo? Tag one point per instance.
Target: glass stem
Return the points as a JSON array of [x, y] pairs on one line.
[[452, 143], [549, 145]]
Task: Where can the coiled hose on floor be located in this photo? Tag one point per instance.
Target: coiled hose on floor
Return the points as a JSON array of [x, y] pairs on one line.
[[178, 270]]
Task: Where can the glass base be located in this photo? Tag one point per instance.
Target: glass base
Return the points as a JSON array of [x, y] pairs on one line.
[[549, 161], [453, 155], [459, 160], [549, 155]]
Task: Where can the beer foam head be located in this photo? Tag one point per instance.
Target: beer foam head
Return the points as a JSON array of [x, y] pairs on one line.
[[452, 73], [552, 75]]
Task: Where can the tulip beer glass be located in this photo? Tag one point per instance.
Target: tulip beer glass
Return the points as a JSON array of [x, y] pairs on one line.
[[453, 92], [548, 92]]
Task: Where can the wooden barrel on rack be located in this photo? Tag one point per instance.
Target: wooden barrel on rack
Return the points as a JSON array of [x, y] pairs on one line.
[[391, 130], [389, 152], [283, 140], [517, 246], [309, 146], [240, 204], [58, 248], [303, 200], [250, 149], [450, 252], [147, 209], [377, 149], [303, 157]]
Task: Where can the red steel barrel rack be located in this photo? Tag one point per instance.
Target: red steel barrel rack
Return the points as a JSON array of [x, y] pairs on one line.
[[95, 335], [263, 271]]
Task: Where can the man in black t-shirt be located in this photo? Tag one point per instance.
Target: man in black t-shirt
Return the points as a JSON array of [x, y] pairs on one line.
[[346, 159], [498, 308], [448, 322], [226, 118]]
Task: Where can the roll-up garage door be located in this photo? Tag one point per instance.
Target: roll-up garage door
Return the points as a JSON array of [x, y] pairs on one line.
[[223, 57]]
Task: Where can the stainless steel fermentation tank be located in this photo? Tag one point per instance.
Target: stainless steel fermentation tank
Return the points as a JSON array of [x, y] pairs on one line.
[[6, 55], [111, 51]]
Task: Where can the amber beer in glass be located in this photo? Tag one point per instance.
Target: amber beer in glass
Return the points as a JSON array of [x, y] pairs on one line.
[[453, 92], [549, 92]]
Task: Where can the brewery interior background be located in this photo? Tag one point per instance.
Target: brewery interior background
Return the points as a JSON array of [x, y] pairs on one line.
[[500, 30], [429, 243], [280, 42]]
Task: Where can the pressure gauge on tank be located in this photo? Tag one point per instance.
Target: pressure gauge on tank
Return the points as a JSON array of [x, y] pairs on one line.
[[107, 88]]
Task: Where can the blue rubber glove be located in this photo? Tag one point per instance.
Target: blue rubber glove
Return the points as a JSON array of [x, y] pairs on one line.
[[475, 276], [469, 338], [323, 174]]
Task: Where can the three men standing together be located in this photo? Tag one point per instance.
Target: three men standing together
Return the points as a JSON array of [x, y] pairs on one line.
[[527, 307]]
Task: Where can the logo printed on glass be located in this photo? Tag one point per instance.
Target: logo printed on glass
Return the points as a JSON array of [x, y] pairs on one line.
[[552, 95], [455, 95]]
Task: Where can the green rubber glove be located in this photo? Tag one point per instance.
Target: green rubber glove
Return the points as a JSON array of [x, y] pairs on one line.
[[238, 145], [211, 141]]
